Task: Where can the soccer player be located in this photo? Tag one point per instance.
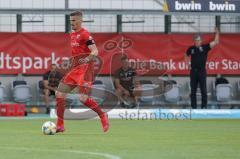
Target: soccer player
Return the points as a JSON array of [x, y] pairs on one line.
[[81, 75], [199, 53]]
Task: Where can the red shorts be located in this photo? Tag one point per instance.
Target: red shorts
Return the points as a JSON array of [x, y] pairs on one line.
[[81, 76]]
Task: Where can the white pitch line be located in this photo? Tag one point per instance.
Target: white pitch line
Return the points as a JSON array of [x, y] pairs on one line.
[[108, 156]]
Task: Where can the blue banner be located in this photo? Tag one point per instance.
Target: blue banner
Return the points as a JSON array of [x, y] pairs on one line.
[[225, 6], [185, 114]]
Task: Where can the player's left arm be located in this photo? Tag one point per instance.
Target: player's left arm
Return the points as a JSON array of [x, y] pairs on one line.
[[93, 53], [90, 42], [216, 39]]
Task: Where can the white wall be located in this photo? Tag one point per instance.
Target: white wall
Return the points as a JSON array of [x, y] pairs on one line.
[[32, 3], [107, 23]]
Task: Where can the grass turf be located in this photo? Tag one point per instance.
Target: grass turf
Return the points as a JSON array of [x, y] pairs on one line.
[[128, 139]]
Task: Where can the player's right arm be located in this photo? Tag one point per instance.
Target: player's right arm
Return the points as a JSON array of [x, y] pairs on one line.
[[187, 56]]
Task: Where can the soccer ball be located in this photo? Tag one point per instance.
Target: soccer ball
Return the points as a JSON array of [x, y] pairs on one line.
[[49, 128]]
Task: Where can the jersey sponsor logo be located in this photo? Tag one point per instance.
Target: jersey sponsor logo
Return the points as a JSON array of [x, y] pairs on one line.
[[74, 40], [75, 44]]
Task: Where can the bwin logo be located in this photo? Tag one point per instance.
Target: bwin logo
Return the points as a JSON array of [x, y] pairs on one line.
[[221, 7], [193, 6]]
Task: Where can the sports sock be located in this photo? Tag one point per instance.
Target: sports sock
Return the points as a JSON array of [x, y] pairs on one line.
[[92, 104], [60, 106]]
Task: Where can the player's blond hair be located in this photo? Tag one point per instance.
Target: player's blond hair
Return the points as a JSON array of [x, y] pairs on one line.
[[77, 13]]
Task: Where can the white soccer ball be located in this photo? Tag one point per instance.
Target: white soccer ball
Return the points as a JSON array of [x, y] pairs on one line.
[[49, 128]]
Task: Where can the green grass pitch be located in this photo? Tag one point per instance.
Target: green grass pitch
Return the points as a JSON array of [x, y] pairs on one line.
[[127, 139]]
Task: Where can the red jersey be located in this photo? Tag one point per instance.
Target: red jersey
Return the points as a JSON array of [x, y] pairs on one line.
[[80, 41], [80, 74]]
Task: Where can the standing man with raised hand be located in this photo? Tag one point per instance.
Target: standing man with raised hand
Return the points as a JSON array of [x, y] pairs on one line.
[[199, 53]]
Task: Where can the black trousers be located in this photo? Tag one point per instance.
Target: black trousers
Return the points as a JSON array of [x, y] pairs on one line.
[[198, 76]]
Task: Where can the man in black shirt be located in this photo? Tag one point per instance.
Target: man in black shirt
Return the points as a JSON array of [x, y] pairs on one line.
[[199, 53], [125, 82], [51, 80]]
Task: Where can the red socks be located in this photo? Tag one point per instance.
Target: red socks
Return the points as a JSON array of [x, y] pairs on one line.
[[60, 106], [92, 104]]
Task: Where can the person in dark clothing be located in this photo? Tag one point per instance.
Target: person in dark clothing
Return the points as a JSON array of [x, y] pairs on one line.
[[51, 80], [126, 83], [199, 53], [221, 80]]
